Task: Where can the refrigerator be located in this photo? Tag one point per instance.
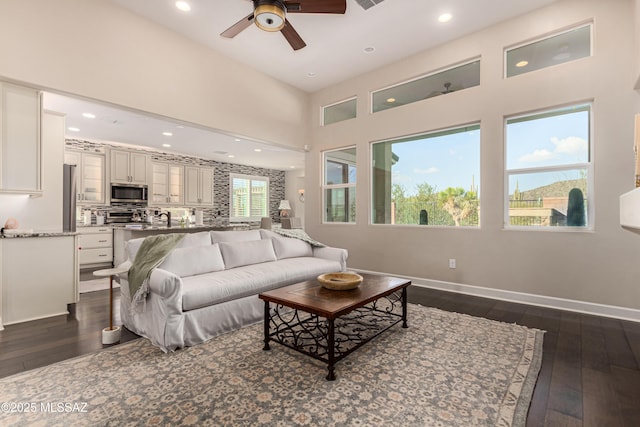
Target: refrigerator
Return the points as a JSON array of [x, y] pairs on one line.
[[69, 198]]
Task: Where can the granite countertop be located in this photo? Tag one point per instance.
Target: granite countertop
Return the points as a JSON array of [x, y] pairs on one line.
[[10, 234], [163, 226]]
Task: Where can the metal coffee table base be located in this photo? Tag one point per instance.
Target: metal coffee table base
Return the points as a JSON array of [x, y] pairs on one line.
[[331, 340]]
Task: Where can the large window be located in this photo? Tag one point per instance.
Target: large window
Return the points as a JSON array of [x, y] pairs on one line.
[[428, 179], [548, 168], [249, 197], [339, 185]]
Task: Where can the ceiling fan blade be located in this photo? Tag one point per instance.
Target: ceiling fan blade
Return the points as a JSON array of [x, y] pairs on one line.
[[292, 36], [237, 28], [316, 6]]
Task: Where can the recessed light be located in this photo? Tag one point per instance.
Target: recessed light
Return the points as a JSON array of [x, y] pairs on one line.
[[72, 129], [369, 49], [180, 127], [311, 74], [522, 64], [183, 6], [166, 145], [391, 100], [292, 167], [231, 156], [167, 133], [257, 150], [445, 17], [89, 115], [237, 140]]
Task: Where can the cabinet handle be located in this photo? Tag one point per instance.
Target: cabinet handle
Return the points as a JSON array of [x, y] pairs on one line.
[[102, 241], [102, 254]]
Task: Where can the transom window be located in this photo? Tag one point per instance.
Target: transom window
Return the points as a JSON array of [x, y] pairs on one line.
[[549, 168], [249, 197], [343, 110], [339, 185], [428, 179]]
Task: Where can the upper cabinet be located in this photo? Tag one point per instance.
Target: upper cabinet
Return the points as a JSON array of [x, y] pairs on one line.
[[198, 186], [90, 175], [20, 144], [167, 184], [128, 167]]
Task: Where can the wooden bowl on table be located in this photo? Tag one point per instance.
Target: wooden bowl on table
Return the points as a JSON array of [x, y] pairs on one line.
[[341, 281]]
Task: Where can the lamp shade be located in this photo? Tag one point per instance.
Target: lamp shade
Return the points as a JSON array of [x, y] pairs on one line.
[[284, 205]]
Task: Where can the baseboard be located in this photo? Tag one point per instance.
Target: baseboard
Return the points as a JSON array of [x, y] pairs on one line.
[[524, 298]]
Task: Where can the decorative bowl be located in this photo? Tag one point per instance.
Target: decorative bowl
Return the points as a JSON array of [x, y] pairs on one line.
[[341, 281]]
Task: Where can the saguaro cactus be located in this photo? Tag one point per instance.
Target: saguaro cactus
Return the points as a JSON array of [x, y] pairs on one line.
[[575, 209]]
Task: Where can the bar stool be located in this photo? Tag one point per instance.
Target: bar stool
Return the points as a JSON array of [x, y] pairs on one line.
[[110, 335]]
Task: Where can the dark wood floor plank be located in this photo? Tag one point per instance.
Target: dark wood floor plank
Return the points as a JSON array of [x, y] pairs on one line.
[[594, 350], [565, 393], [561, 420], [626, 385], [618, 349], [600, 408]]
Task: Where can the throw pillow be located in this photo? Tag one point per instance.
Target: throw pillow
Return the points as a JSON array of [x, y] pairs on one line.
[[237, 254], [192, 260]]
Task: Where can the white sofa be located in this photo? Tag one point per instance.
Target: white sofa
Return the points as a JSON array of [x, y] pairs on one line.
[[209, 283]]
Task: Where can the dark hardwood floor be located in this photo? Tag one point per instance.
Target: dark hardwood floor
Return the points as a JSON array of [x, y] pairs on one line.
[[590, 374]]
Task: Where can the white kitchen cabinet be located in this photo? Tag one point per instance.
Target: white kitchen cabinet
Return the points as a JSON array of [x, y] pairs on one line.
[[128, 167], [167, 186], [90, 175], [198, 186], [20, 141], [95, 246], [29, 292]]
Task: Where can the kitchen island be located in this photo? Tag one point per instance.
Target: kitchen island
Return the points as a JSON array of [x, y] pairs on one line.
[[125, 232], [38, 275]]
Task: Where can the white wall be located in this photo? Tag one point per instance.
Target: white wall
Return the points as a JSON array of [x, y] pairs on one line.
[[597, 266], [101, 51], [42, 213]]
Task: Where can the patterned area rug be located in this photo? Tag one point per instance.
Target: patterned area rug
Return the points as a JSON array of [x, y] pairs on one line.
[[446, 369]]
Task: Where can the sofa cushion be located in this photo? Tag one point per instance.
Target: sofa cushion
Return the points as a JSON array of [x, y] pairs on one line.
[[237, 254], [215, 288], [287, 247], [192, 260], [234, 236]]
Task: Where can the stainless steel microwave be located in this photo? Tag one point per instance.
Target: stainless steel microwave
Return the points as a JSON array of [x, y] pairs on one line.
[[129, 193]]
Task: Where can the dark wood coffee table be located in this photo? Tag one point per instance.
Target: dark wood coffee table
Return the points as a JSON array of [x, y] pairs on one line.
[[329, 324]]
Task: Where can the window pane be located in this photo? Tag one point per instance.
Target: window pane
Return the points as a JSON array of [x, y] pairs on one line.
[[339, 112], [441, 83], [340, 166], [240, 197], [258, 198], [430, 179], [549, 139], [565, 47], [340, 204], [554, 198]]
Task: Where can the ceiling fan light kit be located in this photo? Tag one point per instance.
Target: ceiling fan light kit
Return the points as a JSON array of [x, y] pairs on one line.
[[269, 15]]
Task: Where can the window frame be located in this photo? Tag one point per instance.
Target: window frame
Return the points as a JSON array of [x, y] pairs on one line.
[[435, 132], [343, 101], [432, 73], [588, 166], [324, 186], [543, 37], [250, 178]]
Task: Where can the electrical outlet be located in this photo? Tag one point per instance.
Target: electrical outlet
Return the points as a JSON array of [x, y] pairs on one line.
[[452, 263]]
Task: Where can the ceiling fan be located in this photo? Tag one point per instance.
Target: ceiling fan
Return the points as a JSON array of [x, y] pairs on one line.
[[271, 15], [447, 89]]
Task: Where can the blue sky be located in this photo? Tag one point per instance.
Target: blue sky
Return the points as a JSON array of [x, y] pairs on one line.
[[454, 160], [445, 161]]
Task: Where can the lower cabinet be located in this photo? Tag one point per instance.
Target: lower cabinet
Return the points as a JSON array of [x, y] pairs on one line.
[[95, 246], [38, 277]]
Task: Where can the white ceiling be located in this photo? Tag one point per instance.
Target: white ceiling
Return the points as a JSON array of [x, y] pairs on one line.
[[335, 51]]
